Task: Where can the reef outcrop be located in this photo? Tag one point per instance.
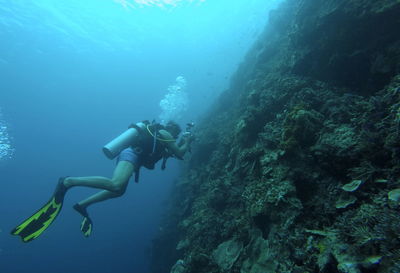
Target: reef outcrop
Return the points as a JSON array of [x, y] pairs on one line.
[[296, 167]]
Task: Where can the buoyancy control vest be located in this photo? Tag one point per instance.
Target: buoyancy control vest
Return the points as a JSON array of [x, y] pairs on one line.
[[150, 146]]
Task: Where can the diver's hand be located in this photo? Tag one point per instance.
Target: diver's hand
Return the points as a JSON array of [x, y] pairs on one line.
[[188, 137]]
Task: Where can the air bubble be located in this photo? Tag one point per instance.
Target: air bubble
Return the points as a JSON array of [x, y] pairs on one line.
[[6, 149], [175, 102]]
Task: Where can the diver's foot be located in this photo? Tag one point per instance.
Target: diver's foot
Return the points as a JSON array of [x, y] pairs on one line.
[[87, 224], [60, 190], [81, 210]]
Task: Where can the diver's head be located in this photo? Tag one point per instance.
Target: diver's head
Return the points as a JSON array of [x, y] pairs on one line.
[[173, 128]]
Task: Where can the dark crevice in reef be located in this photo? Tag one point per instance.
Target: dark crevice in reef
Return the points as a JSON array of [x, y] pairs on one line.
[[263, 223], [296, 166]]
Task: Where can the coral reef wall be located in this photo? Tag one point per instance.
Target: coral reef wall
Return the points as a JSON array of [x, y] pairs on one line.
[[296, 167]]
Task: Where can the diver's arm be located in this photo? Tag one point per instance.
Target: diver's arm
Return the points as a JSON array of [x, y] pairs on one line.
[[177, 151]]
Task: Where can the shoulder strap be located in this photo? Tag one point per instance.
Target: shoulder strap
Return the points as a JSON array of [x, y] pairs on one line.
[[154, 139], [137, 175], [164, 163], [157, 127]]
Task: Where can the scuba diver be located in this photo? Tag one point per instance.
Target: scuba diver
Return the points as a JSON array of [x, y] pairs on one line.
[[143, 144]]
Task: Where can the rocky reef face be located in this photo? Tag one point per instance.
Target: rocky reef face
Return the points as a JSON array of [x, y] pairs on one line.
[[296, 168]]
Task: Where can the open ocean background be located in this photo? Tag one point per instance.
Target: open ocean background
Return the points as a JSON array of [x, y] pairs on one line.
[[73, 75]]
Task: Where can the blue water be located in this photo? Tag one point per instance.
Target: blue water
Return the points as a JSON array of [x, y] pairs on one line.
[[74, 74]]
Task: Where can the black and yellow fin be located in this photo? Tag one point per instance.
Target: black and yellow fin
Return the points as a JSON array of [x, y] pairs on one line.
[[32, 227], [35, 225], [86, 226]]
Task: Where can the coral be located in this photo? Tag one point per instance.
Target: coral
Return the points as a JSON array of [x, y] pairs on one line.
[[179, 267], [340, 141], [300, 127], [344, 201], [352, 186], [394, 195]]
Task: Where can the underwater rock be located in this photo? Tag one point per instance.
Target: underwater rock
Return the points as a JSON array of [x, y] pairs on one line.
[[227, 253], [261, 259], [352, 186]]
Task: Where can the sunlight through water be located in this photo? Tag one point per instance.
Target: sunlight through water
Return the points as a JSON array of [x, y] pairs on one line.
[[159, 3]]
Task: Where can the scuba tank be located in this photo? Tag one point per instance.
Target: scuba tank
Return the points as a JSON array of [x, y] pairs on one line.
[[123, 141]]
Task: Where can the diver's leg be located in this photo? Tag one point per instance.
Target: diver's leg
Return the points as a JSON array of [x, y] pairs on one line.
[[120, 179], [119, 183], [98, 182], [98, 197]]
